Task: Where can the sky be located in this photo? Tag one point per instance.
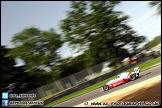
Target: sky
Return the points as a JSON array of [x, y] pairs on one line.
[[16, 15]]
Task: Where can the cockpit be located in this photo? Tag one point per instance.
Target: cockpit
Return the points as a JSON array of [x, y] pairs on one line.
[[118, 75]]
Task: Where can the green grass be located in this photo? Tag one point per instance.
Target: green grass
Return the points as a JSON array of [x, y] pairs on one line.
[[142, 67]]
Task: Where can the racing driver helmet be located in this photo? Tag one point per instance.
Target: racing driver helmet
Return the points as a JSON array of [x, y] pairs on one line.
[[119, 76]]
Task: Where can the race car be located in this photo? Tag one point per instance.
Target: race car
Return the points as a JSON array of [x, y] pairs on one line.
[[122, 78]]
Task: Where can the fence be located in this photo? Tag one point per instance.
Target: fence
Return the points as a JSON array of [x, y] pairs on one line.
[[67, 82]]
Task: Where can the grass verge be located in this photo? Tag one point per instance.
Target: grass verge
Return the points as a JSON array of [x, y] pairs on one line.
[[145, 66]]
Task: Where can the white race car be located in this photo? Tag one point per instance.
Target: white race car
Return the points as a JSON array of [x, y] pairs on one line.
[[122, 78]]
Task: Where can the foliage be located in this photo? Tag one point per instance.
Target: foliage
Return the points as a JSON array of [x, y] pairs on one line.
[[90, 25], [70, 66], [38, 49], [156, 4], [15, 78], [7, 67]]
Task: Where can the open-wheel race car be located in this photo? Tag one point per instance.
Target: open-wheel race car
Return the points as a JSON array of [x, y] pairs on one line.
[[122, 78]]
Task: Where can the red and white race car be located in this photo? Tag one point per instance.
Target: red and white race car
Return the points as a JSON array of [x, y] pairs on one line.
[[122, 78]]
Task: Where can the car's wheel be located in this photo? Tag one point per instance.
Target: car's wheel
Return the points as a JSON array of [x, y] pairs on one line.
[[132, 77], [105, 87]]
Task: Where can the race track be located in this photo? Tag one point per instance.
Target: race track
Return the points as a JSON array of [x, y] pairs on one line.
[[97, 93]]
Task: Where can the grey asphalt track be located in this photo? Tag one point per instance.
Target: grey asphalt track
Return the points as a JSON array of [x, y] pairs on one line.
[[97, 93]]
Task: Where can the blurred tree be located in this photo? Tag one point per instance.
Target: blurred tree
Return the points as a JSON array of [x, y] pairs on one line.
[[93, 25], [71, 65], [7, 68], [156, 4], [12, 77], [152, 43], [38, 49]]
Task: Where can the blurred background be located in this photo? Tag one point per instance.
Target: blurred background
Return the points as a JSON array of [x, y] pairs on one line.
[[48, 47]]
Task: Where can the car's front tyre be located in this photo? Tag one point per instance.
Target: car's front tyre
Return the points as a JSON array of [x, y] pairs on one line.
[[105, 87]]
